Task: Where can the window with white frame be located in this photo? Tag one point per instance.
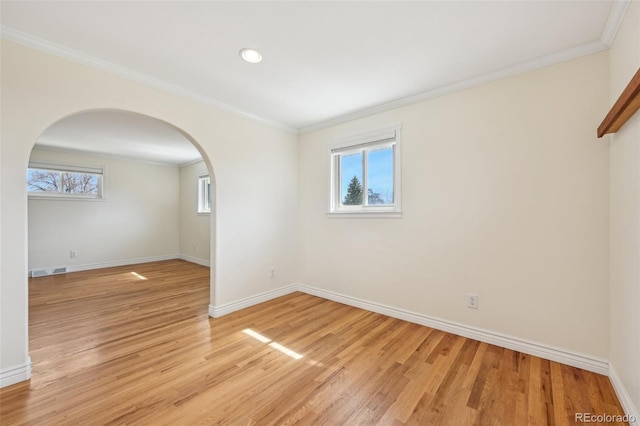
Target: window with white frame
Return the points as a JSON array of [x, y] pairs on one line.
[[65, 181], [204, 194], [365, 173]]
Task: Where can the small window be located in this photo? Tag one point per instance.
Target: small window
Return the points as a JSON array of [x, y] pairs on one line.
[[71, 182], [365, 174], [204, 194]]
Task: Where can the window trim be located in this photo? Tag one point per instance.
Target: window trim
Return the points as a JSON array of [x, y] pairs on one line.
[[200, 209], [390, 136], [73, 168]]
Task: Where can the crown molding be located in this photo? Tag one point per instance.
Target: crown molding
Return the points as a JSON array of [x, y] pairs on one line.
[[616, 15], [191, 162], [34, 42], [544, 61], [83, 152]]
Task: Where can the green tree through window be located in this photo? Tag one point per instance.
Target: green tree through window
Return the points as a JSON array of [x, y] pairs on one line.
[[365, 174], [354, 193]]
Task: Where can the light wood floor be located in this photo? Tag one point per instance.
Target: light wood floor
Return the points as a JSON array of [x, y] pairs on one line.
[[110, 347]]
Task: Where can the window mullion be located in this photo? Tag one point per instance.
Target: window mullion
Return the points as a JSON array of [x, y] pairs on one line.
[[66, 182], [365, 182], [337, 165], [350, 156], [394, 166]]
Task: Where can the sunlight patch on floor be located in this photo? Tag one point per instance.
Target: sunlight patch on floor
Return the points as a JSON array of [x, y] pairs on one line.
[[138, 276], [274, 345]]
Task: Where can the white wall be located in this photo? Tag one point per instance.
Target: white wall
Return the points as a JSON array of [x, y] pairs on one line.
[[254, 169], [504, 194], [625, 218], [194, 227], [139, 218]]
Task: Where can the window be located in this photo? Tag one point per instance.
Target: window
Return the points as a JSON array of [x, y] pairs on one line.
[[365, 174], [204, 194], [70, 182]]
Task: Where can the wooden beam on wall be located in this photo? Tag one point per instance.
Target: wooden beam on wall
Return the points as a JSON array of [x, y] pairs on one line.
[[626, 105]]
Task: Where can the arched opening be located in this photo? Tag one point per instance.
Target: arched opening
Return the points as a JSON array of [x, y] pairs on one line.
[[111, 188]]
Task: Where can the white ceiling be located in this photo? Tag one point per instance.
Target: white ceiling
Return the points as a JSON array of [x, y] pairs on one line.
[[324, 61], [121, 134]]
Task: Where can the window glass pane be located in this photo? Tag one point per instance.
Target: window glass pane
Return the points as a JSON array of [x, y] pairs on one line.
[[43, 180], [204, 195], [80, 183], [351, 179], [208, 197], [380, 176]]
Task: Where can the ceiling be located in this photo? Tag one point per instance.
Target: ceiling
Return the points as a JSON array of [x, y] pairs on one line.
[[130, 135], [324, 61]]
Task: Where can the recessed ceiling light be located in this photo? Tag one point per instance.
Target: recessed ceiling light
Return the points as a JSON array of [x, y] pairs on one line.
[[251, 55]]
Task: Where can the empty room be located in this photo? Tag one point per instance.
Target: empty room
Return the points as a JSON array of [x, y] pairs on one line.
[[320, 212]]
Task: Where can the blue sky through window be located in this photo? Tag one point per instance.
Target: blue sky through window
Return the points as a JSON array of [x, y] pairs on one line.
[[62, 182], [380, 172]]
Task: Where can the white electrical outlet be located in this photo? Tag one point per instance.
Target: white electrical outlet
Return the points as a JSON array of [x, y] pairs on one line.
[[273, 272], [472, 301], [73, 254]]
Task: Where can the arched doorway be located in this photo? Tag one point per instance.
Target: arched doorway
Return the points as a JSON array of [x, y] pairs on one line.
[[139, 175], [138, 166]]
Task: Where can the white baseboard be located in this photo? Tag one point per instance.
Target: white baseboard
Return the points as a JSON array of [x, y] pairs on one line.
[[541, 350], [625, 399], [196, 260], [11, 376], [532, 348], [227, 308], [123, 262]]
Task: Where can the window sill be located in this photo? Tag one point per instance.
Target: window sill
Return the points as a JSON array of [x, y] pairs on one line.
[[368, 215], [70, 198], [204, 213]]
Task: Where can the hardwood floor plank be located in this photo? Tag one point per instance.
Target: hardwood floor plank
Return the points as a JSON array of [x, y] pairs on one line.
[[560, 411], [135, 345]]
